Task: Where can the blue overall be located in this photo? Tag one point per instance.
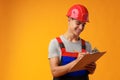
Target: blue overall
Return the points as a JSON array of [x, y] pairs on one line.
[[67, 57]]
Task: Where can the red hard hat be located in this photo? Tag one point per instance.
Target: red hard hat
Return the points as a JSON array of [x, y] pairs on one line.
[[78, 12]]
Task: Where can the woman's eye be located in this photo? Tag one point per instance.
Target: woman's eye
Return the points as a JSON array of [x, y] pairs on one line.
[[83, 24], [78, 23]]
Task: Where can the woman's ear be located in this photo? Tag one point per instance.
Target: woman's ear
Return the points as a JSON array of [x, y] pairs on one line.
[[69, 19]]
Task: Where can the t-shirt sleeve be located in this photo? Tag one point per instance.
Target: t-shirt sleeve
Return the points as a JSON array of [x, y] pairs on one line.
[[53, 49], [88, 47]]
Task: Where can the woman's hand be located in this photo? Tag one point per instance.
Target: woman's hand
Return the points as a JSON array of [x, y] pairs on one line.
[[91, 67], [81, 55]]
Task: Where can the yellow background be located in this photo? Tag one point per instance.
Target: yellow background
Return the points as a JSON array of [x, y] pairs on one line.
[[27, 26]]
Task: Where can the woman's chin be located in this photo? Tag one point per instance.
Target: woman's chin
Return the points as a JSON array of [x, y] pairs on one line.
[[78, 33]]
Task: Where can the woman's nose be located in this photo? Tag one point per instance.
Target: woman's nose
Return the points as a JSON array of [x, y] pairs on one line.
[[81, 26]]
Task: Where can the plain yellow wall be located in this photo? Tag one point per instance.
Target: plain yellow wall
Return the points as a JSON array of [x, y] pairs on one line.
[[27, 26]]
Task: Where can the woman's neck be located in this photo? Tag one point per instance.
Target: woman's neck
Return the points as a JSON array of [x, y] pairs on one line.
[[71, 37]]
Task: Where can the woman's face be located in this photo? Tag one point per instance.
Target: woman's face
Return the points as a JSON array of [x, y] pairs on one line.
[[75, 26]]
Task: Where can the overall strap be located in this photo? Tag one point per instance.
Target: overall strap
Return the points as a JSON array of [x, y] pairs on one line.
[[83, 45], [62, 47]]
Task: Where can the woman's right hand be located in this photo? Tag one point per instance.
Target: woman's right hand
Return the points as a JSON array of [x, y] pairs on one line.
[[81, 55]]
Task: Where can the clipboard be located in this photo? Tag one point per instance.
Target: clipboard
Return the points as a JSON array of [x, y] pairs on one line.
[[87, 59]]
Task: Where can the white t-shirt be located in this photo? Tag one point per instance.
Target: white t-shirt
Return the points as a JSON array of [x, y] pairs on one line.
[[55, 50]]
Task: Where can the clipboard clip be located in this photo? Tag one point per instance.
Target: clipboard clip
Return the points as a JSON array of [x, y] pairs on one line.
[[95, 50]]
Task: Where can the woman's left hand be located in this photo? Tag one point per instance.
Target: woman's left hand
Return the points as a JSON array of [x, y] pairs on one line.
[[91, 67]]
